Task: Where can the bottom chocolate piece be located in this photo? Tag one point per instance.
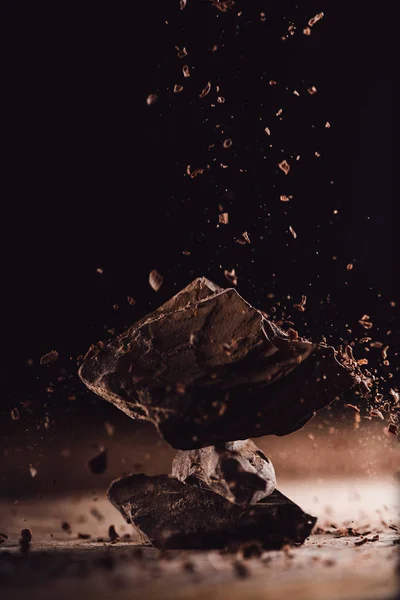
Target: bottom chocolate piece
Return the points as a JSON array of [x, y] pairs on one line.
[[172, 514]]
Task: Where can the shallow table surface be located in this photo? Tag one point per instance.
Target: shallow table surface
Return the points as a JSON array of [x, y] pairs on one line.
[[330, 565]]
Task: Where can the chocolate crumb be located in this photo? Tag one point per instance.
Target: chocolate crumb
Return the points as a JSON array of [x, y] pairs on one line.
[[155, 280], [98, 464], [112, 534], [48, 358]]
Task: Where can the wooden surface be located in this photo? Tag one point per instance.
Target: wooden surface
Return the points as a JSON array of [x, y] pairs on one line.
[[330, 565]]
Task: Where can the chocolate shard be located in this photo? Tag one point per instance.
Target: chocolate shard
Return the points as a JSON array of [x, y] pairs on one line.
[[206, 367], [239, 470], [171, 514]]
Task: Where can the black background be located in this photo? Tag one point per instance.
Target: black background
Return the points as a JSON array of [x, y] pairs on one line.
[[94, 177]]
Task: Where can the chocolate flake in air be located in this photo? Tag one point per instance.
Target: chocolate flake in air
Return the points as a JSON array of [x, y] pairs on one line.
[[155, 280], [246, 237], [374, 412], [205, 91], [301, 305], [14, 413], [181, 53], [292, 231], [131, 300], [365, 321], [110, 428], [178, 88], [267, 131], [183, 4], [186, 71], [243, 376], [32, 471], [284, 166], [223, 218], [151, 99], [393, 428], [227, 143], [50, 357], [171, 514], [312, 90], [315, 19], [98, 464], [231, 276]]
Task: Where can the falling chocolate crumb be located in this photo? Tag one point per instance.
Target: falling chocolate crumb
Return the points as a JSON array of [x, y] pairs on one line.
[[178, 88], [292, 231], [352, 406], [186, 71], [246, 237], [350, 266], [131, 300], [231, 276], [32, 471], [98, 464], [181, 53], [50, 357], [14, 413], [112, 534], [227, 143], [151, 99], [155, 280], [267, 131], [183, 4], [366, 322], [110, 428], [301, 306], [315, 19], [312, 90], [374, 412], [223, 218], [206, 90], [284, 166]]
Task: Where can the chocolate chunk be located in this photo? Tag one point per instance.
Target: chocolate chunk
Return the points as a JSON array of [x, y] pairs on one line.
[[206, 367], [172, 514], [239, 471]]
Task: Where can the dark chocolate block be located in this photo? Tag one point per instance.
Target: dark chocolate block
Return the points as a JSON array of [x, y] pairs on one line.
[[206, 367], [172, 514], [239, 471]]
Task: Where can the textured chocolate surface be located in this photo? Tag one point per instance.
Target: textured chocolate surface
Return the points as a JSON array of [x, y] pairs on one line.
[[239, 471], [206, 367], [172, 514]]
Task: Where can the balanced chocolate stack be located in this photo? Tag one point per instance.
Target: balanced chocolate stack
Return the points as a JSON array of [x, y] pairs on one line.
[[207, 369]]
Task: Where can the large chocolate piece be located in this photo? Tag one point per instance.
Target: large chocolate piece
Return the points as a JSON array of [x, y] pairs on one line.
[[206, 367], [239, 471], [172, 514]]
